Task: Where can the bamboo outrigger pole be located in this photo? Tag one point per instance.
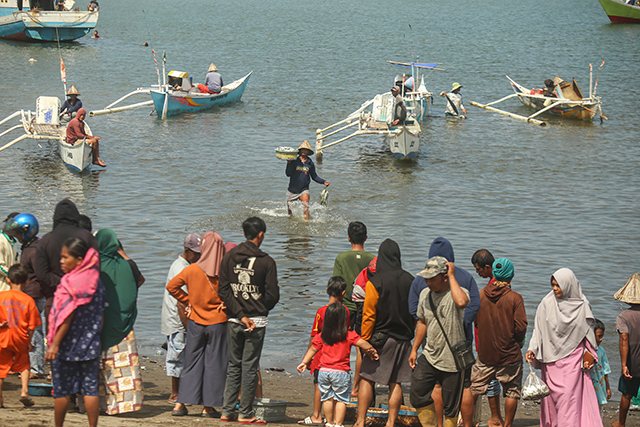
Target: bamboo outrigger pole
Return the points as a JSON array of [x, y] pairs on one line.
[[508, 114]]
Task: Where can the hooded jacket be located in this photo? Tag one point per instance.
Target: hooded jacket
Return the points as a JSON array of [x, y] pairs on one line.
[[442, 247], [47, 260], [248, 282], [502, 325]]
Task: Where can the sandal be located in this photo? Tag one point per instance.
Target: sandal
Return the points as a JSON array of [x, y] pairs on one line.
[[230, 419], [212, 414], [27, 402], [254, 422], [180, 413], [309, 422]]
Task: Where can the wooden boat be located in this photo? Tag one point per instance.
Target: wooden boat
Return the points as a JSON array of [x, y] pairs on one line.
[[568, 102], [43, 23], [418, 100], [180, 95], [374, 117], [44, 124], [620, 12]]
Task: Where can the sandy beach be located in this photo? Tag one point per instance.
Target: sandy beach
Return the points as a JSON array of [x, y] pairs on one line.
[[289, 386]]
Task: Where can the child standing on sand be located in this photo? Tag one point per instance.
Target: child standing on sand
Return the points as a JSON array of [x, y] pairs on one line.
[[75, 322], [334, 377], [19, 316], [601, 369]]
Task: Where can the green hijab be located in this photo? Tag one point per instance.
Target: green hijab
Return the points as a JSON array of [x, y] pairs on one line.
[[121, 290]]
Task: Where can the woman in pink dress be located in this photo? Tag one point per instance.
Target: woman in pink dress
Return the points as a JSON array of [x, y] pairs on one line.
[[563, 347]]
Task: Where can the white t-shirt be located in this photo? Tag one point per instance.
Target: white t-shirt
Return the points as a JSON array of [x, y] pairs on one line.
[[170, 323]]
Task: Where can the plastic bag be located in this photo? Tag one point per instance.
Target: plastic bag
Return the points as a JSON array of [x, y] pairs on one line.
[[534, 388]]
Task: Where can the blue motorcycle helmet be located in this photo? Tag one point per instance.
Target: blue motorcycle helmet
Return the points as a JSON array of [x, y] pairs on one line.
[[25, 226]]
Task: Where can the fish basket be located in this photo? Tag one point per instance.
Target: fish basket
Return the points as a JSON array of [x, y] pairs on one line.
[[286, 153], [407, 416], [40, 389], [376, 417], [352, 412], [270, 410]]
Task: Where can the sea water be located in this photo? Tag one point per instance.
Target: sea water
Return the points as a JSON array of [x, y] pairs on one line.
[[564, 195]]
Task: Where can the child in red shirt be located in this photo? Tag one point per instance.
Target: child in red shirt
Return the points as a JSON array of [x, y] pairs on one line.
[[334, 378], [19, 316]]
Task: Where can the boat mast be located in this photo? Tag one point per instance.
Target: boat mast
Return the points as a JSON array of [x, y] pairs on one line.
[[590, 81]]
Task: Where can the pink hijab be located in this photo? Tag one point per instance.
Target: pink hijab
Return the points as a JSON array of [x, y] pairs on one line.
[[211, 253], [76, 288]]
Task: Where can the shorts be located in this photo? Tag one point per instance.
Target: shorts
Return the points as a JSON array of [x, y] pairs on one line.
[[424, 379], [175, 353], [629, 387], [291, 197], [13, 361], [335, 385], [75, 377], [510, 377]]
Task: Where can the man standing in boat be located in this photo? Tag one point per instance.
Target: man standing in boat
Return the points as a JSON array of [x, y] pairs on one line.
[[454, 102], [400, 110], [300, 171], [75, 133]]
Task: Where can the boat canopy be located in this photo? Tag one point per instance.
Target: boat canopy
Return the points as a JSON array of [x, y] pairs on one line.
[[181, 79], [414, 64]]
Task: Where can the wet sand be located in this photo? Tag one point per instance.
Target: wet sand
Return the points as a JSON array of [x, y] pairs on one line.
[[294, 388]]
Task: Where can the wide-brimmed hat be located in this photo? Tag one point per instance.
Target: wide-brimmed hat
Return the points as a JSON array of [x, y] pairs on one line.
[[455, 86], [305, 144], [212, 67], [630, 292], [73, 91]]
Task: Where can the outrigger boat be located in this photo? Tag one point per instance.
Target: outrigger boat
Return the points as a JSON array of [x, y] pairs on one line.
[[179, 95], [568, 102], [417, 101], [42, 22], [44, 124], [374, 117], [621, 12]]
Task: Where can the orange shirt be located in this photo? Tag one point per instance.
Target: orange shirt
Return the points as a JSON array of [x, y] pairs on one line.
[[202, 295], [20, 311]]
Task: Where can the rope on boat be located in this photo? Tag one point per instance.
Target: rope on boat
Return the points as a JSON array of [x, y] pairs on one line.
[[69, 24]]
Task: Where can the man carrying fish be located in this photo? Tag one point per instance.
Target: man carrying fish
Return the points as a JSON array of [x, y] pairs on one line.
[[300, 171]]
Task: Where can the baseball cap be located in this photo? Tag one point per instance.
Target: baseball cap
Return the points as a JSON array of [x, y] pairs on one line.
[[435, 265], [192, 242]]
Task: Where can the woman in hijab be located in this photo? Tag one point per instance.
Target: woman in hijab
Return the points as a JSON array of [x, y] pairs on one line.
[[206, 355], [563, 347], [388, 326], [119, 349]]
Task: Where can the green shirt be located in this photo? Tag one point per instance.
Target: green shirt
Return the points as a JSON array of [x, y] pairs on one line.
[[348, 265]]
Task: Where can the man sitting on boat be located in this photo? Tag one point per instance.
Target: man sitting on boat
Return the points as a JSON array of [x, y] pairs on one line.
[[400, 110], [93, 6], [60, 5], [300, 171], [213, 81], [454, 101], [75, 133], [69, 109]]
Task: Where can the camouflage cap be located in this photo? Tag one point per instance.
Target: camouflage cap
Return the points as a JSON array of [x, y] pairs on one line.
[[435, 265]]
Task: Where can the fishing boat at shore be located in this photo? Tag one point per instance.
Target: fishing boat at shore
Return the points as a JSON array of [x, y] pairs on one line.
[[178, 94], [44, 125], [417, 100], [374, 117], [621, 12], [566, 101], [42, 23]]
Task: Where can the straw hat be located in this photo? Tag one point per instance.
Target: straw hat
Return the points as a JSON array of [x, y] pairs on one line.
[[455, 86], [630, 292], [73, 91], [212, 67], [305, 144]]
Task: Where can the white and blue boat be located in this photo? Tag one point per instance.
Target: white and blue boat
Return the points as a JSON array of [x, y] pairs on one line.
[[417, 100], [38, 21], [180, 95]]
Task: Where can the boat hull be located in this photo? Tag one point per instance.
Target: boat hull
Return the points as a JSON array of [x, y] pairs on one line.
[[621, 13], [174, 102], [404, 142], [45, 26], [584, 112], [77, 157]]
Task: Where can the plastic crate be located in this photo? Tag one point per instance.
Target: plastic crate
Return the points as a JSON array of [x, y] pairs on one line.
[[270, 410]]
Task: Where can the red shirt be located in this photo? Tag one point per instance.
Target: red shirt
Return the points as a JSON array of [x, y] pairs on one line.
[[336, 356], [316, 330], [75, 131], [20, 311]]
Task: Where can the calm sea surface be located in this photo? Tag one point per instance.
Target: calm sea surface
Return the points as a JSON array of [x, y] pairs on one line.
[[565, 195]]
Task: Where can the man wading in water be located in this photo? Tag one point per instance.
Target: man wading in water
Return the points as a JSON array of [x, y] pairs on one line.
[[300, 171]]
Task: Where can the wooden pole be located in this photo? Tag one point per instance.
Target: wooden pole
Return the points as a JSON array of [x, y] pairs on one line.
[[508, 114]]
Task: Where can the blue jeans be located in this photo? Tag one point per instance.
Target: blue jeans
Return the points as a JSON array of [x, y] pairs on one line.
[[36, 356]]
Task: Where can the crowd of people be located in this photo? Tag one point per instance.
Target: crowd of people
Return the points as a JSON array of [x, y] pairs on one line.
[[80, 289]]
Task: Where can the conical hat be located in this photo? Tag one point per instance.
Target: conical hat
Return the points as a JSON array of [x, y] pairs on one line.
[[630, 292], [212, 67], [305, 144], [73, 91]]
